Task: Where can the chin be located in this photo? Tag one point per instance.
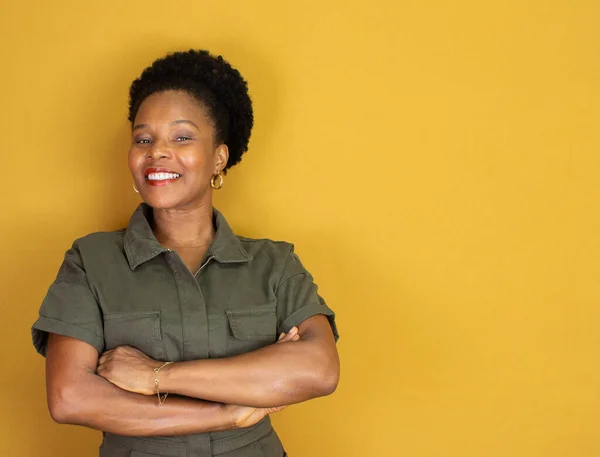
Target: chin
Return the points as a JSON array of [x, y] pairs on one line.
[[168, 200], [161, 202]]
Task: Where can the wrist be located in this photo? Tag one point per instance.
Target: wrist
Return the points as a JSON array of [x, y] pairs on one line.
[[228, 415], [160, 378]]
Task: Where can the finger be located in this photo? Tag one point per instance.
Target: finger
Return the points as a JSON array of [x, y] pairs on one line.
[[106, 354], [282, 336], [275, 409], [294, 334], [287, 338], [293, 331]]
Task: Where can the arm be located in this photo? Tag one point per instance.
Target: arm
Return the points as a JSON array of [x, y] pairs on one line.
[[76, 395], [280, 374]]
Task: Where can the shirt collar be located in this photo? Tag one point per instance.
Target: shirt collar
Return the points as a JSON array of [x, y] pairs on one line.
[[141, 245]]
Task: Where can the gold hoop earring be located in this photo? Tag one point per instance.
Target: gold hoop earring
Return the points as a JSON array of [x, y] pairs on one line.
[[136, 191], [213, 178]]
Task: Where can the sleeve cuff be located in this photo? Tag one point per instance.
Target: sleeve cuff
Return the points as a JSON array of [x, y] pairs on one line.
[[45, 325], [310, 310]]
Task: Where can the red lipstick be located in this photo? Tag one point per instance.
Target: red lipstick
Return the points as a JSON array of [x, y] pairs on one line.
[[160, 176]]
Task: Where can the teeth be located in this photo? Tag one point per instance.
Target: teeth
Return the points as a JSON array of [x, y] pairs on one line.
[[162, 176]]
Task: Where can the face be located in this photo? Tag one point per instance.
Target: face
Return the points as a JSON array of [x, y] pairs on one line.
[[173, 154]]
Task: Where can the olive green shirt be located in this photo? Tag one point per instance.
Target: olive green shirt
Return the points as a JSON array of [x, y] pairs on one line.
[[124, 288]]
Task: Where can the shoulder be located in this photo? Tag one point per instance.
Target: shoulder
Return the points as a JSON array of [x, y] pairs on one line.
[[277, 256], [100, 240], [98, 247], [77, 258], [263, 248]]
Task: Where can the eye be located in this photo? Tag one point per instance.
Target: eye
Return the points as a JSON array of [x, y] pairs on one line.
[[182, 138], [143, 141]]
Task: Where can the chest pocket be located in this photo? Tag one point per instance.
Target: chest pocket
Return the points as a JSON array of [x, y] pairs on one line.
[[251, 328], [139, 329]]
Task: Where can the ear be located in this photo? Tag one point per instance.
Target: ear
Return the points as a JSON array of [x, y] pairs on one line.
[[221, 157]]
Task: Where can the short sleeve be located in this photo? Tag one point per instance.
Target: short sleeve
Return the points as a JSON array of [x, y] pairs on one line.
[[297, 297], [70, 307]]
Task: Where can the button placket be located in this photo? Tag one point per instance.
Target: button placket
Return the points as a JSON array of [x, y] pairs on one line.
[[194, 323]]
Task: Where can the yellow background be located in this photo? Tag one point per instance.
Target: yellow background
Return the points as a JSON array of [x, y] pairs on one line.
[[436, 164]]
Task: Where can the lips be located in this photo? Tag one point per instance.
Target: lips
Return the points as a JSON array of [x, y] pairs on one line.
[[160, 176]]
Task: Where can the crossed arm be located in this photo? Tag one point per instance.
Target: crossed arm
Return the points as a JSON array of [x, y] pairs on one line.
[[115, 393]]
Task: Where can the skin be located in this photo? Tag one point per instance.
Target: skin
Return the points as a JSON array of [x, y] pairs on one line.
[[269, 377], [78, 396], [172, 130]]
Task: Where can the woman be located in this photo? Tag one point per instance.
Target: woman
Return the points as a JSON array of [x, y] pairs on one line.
[[176, 303]]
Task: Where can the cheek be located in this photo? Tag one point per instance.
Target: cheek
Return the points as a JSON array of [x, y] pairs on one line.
[[197, 161], [133, 160]]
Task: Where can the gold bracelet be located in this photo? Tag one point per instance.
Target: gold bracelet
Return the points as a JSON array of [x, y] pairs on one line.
[[156, 387]]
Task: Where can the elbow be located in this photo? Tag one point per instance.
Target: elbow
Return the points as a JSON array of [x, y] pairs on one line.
[[329, 381], [318, 376], [59, 414], [63, 405], [59, 410], [311, 383], [328, 376]]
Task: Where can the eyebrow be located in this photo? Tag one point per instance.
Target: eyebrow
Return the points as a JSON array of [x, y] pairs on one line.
[[178, 121]]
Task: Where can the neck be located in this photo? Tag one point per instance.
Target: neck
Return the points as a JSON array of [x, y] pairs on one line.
[[188, 228]]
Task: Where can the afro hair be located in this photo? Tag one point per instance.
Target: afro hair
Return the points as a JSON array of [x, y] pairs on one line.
[[214, 83]]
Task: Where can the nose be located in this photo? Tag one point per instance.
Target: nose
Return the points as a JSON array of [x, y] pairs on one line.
[[159, 150]]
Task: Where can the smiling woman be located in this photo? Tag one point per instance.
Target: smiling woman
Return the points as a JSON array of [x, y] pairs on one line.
[[176, 302], [173, 129]]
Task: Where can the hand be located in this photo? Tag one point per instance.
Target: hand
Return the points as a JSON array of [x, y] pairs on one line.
[[132, 370], [129, 369], [290, 336], [246, 416]]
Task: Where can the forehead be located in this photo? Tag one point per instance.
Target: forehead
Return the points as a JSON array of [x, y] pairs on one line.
[[168, 106]]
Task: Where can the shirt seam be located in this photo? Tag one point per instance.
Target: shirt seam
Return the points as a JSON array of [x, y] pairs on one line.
[[49, 319], [283, 281], [79, 282], [258, 240]]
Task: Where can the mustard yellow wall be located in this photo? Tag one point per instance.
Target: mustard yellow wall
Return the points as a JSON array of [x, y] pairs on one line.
[[435, 162]]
